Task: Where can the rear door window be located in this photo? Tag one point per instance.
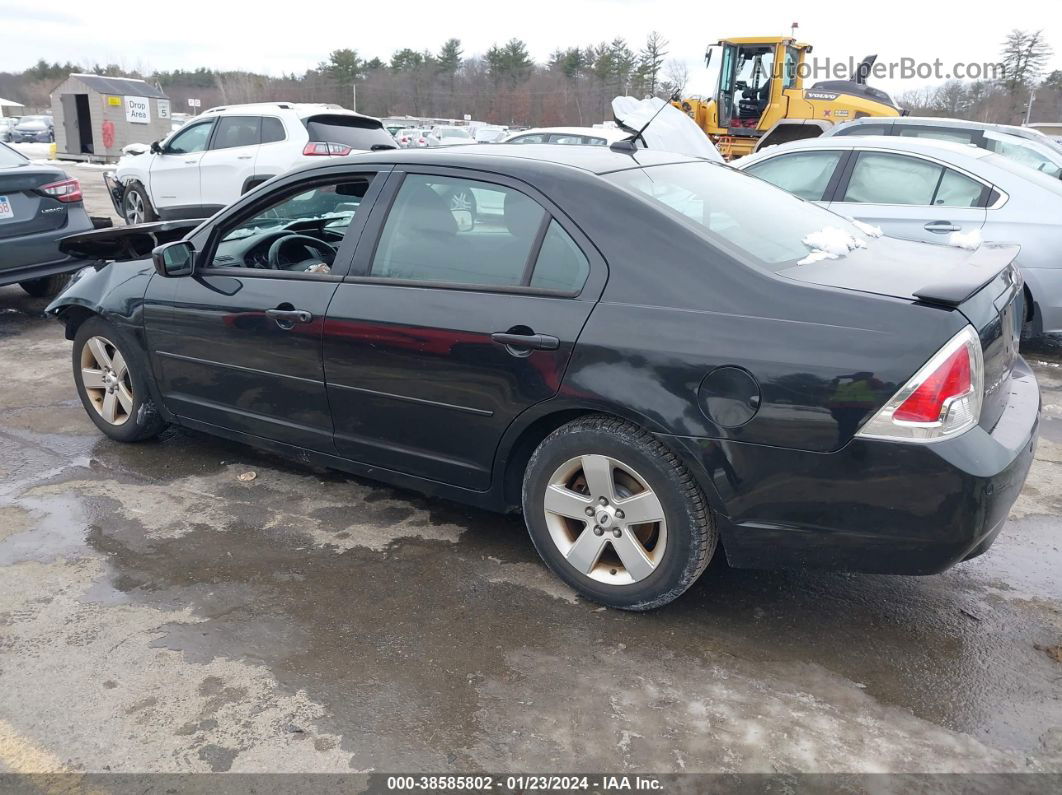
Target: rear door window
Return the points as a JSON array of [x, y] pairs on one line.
[[862, 129], [437, 232], [353, 131], [534, 138], [881, 178], [234, 131], [805, 174]]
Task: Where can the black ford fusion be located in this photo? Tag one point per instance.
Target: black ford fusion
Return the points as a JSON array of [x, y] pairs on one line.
[[639, 350]]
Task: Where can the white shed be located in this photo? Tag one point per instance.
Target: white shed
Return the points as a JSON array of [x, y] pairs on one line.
[[95, 116]]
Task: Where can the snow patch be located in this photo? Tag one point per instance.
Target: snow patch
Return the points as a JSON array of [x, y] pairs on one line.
[[830, 243], [970, 241], [867, 229]]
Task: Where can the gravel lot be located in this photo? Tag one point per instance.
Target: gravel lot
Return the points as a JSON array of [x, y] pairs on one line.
[[158, 613]]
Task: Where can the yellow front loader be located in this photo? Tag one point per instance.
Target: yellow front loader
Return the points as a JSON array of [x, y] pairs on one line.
[[760, 99]]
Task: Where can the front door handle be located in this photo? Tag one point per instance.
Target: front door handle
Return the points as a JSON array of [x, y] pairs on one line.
[[536, 342], [941, 227], [287, 318], [244, 157]]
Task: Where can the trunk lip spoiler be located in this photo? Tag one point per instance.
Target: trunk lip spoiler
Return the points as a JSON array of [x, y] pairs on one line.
[[990, 258]]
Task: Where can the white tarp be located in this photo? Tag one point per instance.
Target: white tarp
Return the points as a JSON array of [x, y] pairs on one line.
[[672, 130]]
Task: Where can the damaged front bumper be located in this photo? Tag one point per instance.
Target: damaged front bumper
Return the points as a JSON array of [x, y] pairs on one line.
[[115, 190]]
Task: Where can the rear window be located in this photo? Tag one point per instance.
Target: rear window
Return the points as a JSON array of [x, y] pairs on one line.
[[9, 157], [352, 131], [743, 215]]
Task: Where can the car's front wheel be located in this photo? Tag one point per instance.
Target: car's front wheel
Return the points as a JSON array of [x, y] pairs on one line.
[[136, 206], [616, 515], [111, 378]]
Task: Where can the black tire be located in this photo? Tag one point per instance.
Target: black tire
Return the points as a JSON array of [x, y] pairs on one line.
[[47, 286], [136, 195], [142, 421], [691, 532]]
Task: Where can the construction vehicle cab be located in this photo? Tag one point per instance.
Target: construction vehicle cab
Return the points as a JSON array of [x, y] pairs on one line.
[[760, 98]]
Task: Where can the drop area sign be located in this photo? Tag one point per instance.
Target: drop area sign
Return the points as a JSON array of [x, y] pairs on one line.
[[137, 110]]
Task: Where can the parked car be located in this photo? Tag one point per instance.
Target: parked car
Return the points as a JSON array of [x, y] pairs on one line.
[[450, 136], [1021, 144], [7, 126], [39, 205], [489, 134], [412, 138], [33, 129], [579, 136], [922, 189], [224, 152], [866, 413]]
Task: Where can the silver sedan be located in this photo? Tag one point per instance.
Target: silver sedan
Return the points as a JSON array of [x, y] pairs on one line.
[[937, 192]]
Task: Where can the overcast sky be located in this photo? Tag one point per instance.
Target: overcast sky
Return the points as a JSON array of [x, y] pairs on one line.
[[280, 37]]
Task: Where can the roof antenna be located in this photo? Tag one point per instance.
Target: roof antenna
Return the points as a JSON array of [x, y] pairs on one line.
[[629, 145]]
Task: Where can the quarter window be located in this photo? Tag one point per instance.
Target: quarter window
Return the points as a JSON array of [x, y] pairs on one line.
[[561, 265], [236, 131], [880, 178], [805, 174], [272, 130]]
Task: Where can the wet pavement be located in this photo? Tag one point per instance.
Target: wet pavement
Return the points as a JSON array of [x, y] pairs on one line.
[[158, 613]]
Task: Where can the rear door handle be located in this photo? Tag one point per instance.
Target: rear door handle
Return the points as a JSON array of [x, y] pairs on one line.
[[941, 227], [287, 318], [537, 342], [244, 157]]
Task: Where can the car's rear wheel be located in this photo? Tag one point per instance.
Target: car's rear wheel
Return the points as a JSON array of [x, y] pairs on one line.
[[136, 207], [616, 515], [111, 378], [47, 286]]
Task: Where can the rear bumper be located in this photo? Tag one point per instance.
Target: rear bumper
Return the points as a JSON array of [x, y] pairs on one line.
[[38, 255], [115, 190], [873, 506]]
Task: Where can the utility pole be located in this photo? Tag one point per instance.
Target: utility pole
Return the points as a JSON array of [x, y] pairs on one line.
[[1028, 110], [354, 96]]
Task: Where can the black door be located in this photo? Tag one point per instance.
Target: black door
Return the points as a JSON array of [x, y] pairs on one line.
[[465, 300], [238, 344]]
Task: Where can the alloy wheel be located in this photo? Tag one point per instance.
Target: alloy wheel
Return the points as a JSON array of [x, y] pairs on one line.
[[134, 207], [606, 521], [106, 379]]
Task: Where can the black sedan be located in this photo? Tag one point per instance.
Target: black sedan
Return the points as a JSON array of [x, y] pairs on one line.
[[39, 205], [653, 357]]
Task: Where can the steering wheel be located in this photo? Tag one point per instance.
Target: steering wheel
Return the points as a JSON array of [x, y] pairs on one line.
[[309, 244]]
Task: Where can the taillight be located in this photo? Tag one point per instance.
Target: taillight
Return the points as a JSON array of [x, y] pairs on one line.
[[942, 399], [320, 148], [69, 190]]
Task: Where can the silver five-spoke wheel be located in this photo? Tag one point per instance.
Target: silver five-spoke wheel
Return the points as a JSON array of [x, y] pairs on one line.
[[134, 207], [107, 380], [605, 519]]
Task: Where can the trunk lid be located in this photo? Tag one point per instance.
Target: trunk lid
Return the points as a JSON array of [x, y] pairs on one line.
[[26, 210], [984, 285], [125, 242]]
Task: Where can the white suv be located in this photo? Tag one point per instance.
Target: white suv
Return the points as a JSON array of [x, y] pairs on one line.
[[221, 154]]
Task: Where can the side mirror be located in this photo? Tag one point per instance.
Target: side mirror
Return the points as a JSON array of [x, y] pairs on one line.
[[174, 259], [155, 148]]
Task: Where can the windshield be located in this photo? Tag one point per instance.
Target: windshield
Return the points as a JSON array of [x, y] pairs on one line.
[[452, 132], [353, 131], [741, 214], [9, 157], [33, 123]]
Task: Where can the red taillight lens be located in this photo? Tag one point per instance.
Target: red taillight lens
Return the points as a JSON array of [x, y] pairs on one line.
[[69, 190], [942, 399], [951, 379], [323, 149]]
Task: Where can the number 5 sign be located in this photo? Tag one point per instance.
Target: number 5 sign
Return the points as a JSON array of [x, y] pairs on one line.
[[137, 110]]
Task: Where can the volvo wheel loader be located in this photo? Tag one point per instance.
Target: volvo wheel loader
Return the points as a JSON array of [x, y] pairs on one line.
[[760, 99]]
